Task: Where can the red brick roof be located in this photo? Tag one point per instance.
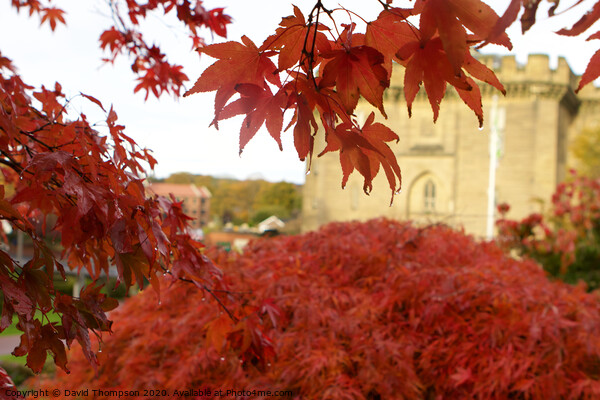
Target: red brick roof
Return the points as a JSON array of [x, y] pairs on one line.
[[179, 190]]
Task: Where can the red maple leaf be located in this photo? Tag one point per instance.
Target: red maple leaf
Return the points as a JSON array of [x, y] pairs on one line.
[[260, 106], [510, 15], [217, 332], [427, 63], [451, 18], [356, 71], [483, 73], [218, 20], [305, 125], [293, 38], [592, 71], [472, 98], [114, 40], [239, 63], [586, 21], [52, 15], [306, 98], [365, 150], [388, 33]]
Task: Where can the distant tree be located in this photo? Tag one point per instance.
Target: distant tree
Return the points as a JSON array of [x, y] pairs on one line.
[[285, 195], [233, 200], [181, 177], [586, 149], [264, 212], [241, 201]]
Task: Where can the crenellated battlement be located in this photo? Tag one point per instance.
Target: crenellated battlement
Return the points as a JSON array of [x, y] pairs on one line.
[[536, 69], [534, 78]]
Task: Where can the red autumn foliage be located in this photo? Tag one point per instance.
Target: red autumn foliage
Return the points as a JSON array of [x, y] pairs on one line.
[[89, 181], [92, 182], [375, 310], [155, 74], [325, 69]]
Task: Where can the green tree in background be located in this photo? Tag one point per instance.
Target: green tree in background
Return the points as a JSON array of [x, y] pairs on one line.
[[586, 149], [249, 201], [282, 199]]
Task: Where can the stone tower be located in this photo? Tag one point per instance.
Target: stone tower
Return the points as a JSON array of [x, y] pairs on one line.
[[445, 166]]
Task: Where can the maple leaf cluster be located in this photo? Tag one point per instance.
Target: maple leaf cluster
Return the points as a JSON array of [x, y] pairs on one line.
[[375, 310], [565, 240], [315, 71], [92, 183], [50, 15], [155, 74]]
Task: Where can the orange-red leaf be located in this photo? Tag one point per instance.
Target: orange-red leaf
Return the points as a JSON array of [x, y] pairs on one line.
[[483, 73], [356, 71], [387, 34], [479, 18], [472, 98], [439, 15], [217, 331], [583, 23], [305, 126], [427, 63], [510, 15], [365, 150], [292, 38], [52, 15], [260, 106], [113, 39], [94, 100], [592, 71], [238, 63]]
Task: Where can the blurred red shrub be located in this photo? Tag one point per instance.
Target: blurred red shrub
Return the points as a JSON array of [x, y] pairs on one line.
[[375, 310]]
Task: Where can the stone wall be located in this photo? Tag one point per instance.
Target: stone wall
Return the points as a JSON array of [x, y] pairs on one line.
[[445, 166]]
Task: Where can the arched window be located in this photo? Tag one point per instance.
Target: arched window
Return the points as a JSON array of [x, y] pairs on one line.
[[429, 196]]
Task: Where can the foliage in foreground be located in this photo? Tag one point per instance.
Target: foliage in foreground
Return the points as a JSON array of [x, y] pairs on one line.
[[567, 240], [86, 186], [313, 66], [375, 310]]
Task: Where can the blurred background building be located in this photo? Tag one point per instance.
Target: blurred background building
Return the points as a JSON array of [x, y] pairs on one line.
[[196, 200], [449, 173]]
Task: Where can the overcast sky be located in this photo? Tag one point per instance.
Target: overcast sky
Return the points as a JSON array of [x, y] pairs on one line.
[[177, 130]]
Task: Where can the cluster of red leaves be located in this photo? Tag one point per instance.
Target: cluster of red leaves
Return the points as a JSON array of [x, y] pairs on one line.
[[50, 15], [376, 310], [155, 74], [323, 71], [92, 183], [567, 240]]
